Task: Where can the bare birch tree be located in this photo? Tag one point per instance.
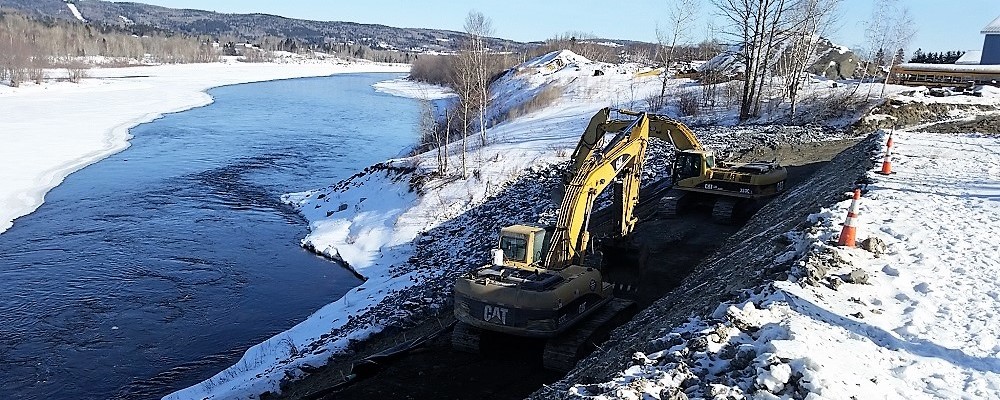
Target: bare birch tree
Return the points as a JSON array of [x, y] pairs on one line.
[[682, 15], [903, 30], [431, 134], [815, 17], [757, 24], [479, 27], [890, 27], [465, 87]]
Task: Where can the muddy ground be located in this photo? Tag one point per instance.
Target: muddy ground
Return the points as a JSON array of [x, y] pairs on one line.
[[982, 124], [511, 368], [906, 114]]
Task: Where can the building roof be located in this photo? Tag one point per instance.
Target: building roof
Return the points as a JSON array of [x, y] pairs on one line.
[[975, 69], [993, 27], [971, 57]]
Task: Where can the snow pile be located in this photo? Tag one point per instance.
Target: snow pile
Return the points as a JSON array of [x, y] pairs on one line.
[[564, 76], [555, 61], [913, 313], [50, 130], [371, 224], [829, 60], [415, 90], [727, 62]]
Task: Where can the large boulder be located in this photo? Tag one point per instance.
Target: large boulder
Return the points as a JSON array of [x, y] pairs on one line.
[[834, 61], [831, 61]]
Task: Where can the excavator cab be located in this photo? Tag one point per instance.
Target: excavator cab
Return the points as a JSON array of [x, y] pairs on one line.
[[692, 163], [524, 245]]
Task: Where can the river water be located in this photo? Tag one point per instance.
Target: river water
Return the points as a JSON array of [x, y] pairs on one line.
[[157, 267]]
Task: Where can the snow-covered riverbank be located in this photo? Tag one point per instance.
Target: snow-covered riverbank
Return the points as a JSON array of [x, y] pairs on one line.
[[50, 130], [374, 220], [410, 232]]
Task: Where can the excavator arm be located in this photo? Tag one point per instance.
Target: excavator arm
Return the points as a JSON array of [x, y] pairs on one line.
[[622, 157], [660, 126]]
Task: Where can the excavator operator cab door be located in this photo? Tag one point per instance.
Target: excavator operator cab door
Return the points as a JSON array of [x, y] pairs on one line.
[[687, 165], [540, 245]]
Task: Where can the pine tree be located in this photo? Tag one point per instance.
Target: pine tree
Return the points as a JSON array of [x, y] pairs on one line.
[[879, 57], [918, 56]]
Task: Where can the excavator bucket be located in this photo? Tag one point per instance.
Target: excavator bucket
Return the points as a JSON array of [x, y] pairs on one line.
[[623, 264]]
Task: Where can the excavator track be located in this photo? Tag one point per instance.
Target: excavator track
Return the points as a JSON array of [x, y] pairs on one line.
[[563, 351], [465, 338], [670, 204], [723, 209]]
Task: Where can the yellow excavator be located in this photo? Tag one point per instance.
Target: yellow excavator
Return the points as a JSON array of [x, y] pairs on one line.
[[697, 177], [538, 283]]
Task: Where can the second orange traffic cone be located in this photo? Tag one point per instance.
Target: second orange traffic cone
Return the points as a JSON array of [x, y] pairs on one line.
[[848, 235], [887, 163]]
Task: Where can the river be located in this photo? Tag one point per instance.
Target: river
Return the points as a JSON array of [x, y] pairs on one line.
[[155, 268]]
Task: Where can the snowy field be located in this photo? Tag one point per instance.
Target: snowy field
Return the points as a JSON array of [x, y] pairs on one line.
[[50, 130], [917, 318]]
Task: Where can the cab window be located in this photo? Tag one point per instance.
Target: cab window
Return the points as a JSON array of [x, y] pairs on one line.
[[687, 165], [514, 248], [538, 245]]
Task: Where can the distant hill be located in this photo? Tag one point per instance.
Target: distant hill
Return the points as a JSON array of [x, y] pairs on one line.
[[251, 27]]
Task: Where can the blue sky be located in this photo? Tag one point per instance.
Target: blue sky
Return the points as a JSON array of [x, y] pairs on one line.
[[941, 25]]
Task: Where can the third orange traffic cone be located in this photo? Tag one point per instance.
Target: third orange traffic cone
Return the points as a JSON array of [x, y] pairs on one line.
[[848, 235], [887, 163]]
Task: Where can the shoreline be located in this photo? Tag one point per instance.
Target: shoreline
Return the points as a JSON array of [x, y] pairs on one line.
[[76, 125]]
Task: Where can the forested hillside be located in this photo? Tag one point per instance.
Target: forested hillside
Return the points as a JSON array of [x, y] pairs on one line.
[[252, 27]]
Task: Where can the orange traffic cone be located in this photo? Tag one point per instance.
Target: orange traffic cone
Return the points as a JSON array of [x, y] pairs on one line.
[[848, 235], [887, 163]]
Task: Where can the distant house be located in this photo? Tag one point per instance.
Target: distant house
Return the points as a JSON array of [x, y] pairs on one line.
[[991, 45]]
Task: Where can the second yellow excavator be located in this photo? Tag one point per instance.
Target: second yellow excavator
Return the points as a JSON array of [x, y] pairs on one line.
[[697, 177]]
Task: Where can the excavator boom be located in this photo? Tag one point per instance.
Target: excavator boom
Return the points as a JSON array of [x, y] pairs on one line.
[[623, 158], [660, 126], [696, 177]]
